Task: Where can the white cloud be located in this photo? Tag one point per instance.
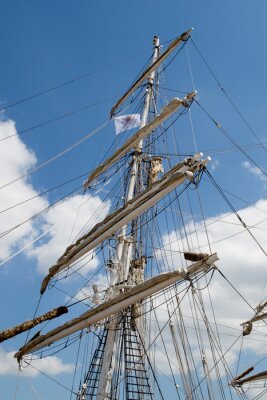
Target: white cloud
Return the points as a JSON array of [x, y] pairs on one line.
[[51, 365], [254, 170], [15, 160], [244, 265], [68, 218], [240, 256], [241, 260]]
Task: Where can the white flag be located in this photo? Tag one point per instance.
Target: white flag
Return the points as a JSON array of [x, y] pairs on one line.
[[125, 122]]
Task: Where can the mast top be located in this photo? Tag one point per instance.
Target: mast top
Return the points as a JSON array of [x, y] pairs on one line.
[[173, 45], [156, 41]]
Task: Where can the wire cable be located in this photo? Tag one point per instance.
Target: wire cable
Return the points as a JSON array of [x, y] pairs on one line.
[[59, 117], [62, 84], [45, 192], [57, 156], [234, 211], [228, 97], [49, 377], [6, 232], [230, 138]]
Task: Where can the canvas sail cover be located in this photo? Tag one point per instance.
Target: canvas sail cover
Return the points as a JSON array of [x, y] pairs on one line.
[[174, 44], [133, 141], [117, 304], [125, 214]]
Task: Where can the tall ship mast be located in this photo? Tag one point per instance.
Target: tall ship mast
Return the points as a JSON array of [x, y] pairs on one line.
[[129, 349]]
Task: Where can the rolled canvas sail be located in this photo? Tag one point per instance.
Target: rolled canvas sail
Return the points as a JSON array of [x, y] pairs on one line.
[[125, 214]]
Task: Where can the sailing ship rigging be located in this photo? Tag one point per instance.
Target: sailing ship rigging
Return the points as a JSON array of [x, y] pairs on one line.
[[131, 347]]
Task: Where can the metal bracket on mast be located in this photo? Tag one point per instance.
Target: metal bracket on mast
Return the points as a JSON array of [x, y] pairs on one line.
[[120, 260]]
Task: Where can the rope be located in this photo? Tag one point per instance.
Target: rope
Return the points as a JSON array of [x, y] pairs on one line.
[[26, 246], [149, 362], [228, 97], [235, 212], [166, 353], [45, 192], [190, 68], [167, 322], [62, 153], [76, 217], [17, 384], [56, 118], [237, 291], [216, 363], [49, 377], [76, 365], [6, 232], [239, 355], [32, 388], [231, 139], [216, 344], [65, 83], [192, 129], [34, 315], [40, 236]]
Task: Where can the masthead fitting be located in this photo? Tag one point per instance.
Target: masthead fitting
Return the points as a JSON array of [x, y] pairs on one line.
[[145, 75], [155, 39]]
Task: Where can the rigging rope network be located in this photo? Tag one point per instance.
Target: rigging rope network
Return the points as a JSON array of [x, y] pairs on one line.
[[235, 212], [218, 356], [57, 156], [228, 97], [226, 134], [57, 118], [62, 84]]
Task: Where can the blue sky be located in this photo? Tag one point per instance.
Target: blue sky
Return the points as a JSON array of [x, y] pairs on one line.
[[44, 44]]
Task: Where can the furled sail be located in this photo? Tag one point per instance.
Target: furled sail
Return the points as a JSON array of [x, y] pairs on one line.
[[27, 325], [259, 316], [117, 304], [237, 382], [165, 113], [183, 38], [127, 213]]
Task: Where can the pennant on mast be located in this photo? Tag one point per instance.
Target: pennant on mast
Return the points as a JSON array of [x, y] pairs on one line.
[[133, 141], [125, 122]]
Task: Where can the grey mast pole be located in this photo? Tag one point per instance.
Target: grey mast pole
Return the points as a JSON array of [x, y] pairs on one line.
[[124, 249], [144, 117]]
